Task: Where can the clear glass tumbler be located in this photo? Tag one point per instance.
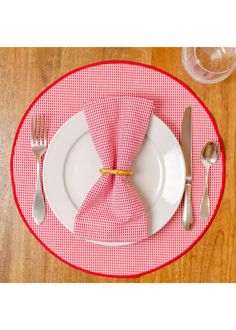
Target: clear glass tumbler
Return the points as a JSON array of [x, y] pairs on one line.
[[209, 65]]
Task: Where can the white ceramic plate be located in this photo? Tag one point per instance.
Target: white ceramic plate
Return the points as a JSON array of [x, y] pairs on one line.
[[71, 168]]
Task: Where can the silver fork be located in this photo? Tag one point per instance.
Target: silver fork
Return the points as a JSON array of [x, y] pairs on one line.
[[39, 146]]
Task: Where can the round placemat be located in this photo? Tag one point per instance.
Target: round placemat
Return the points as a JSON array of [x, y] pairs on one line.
[[64, 98]]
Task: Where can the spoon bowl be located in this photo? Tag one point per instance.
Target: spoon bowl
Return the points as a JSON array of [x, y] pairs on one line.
[[209, 156], [210, 153]]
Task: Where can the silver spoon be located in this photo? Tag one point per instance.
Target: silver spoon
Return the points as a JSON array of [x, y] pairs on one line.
[[209, 156]]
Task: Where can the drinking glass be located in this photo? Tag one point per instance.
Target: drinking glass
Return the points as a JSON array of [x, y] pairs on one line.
[[209, 65]]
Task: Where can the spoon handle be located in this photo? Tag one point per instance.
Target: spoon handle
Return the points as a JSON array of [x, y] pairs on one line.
[[205, 205]]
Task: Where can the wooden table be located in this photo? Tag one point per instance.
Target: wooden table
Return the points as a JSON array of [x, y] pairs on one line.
[[24, 72]]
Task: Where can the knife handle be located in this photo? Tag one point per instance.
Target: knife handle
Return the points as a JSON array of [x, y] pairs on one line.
[[187, 210]]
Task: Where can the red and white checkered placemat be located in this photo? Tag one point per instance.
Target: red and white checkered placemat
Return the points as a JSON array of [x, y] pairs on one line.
[[65, 97]]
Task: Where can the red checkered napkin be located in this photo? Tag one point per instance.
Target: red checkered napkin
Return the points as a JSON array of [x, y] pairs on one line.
[[112, 211]]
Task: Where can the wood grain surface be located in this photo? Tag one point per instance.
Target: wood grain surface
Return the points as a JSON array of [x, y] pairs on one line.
[[24, 73]]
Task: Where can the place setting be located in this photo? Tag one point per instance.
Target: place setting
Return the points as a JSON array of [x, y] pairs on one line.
[[118, 168]]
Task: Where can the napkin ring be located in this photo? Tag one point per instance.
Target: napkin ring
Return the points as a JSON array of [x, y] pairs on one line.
[[116, 172]]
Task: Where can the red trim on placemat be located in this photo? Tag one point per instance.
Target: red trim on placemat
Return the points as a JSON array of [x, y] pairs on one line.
[[217, 133]]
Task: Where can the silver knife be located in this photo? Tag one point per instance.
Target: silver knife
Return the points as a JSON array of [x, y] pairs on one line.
[[186, 145]]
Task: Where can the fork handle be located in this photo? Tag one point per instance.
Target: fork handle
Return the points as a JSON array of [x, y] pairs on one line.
[[39, 205]]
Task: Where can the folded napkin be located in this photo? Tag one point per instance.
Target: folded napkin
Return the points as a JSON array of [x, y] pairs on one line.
[[112, 211]]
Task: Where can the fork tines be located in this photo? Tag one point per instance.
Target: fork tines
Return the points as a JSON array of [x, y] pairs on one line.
[[38, 129]]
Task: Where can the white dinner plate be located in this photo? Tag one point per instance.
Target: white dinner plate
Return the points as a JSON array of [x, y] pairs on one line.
[[71, 168]]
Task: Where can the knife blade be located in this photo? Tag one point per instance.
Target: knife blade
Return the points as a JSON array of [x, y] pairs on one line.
[[186, 145]]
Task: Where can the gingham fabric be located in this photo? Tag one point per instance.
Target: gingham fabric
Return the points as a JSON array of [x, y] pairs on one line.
[[112, 211], [65, 98]]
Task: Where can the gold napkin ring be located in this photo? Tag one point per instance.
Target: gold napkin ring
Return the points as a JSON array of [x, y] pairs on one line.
[[116, 172]]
